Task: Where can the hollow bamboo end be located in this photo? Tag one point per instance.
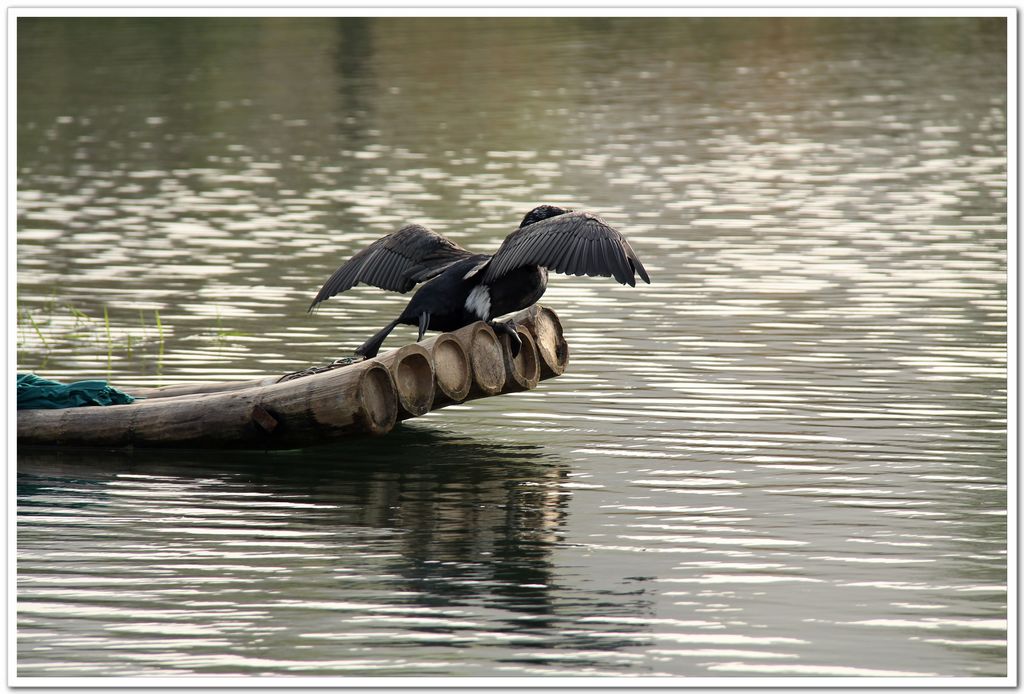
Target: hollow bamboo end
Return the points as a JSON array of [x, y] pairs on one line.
[[525, 366], [379, 400], [452, 370], [486, 359], [551, 345], [414, 380]]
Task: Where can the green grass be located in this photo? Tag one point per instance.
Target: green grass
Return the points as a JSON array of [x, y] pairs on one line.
[[54, 327], [50, 325], [160, 333], [39, 332], [110, 343]]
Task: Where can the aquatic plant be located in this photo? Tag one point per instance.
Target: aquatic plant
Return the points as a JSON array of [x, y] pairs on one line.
[[63, 327]]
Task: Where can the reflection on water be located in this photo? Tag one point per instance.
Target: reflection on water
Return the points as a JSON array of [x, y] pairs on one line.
[[278, 553], [786, 456]]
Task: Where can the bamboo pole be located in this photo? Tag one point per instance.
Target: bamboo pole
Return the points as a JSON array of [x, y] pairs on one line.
[[453, 375], [358, 399], [494, 370], [486, 361], [362, 397], [522, 372], [412, 368], [546, 329], [173, 391]]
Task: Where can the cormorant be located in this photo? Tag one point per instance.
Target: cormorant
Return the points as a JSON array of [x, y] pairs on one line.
[[463, 287]]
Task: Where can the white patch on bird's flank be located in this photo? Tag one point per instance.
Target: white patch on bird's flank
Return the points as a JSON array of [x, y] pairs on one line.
[[479, 302]]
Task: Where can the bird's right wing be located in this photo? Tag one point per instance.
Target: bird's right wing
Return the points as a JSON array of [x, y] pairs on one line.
[[396, 262]]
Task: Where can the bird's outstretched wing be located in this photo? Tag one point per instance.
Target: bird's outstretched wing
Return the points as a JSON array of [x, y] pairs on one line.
[[396, 262], [575, 243]]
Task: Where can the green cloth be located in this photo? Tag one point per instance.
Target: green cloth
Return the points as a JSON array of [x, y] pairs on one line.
[[37, 393]]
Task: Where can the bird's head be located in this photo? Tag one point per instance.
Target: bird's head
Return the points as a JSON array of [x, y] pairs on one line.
[[542, 212]]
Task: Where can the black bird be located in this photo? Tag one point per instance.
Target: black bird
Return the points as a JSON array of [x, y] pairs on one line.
[[463, 287]]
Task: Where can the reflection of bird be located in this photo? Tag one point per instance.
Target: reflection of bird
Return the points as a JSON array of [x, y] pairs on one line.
[[463, 287]]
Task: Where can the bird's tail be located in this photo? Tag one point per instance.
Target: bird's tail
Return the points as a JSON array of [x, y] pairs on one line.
[[370, 348]]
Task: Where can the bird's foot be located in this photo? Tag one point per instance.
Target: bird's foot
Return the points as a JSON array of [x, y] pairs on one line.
[[424, 325], [515, 342]]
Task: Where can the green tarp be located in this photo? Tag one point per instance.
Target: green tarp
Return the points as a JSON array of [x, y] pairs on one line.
[[37, 393]]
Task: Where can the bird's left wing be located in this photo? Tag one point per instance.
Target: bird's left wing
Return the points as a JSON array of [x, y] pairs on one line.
[[575, 243]]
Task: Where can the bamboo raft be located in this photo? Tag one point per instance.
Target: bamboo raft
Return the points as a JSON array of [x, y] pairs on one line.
[[318, 406]]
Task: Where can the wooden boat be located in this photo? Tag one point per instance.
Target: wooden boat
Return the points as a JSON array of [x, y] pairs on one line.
[[320, 404]]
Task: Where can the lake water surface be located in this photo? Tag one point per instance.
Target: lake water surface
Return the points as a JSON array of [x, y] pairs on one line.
[[785, 457]]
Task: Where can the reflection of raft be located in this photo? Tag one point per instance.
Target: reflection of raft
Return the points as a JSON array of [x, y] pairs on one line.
[[366, 397]]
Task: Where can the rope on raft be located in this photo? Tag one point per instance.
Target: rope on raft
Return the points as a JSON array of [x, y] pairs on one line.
[[336, 364]]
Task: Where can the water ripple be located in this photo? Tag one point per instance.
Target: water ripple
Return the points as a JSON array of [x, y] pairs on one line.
[[784, 457]]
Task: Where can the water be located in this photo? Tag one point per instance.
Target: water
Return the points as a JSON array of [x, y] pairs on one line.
[[786, 456]]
